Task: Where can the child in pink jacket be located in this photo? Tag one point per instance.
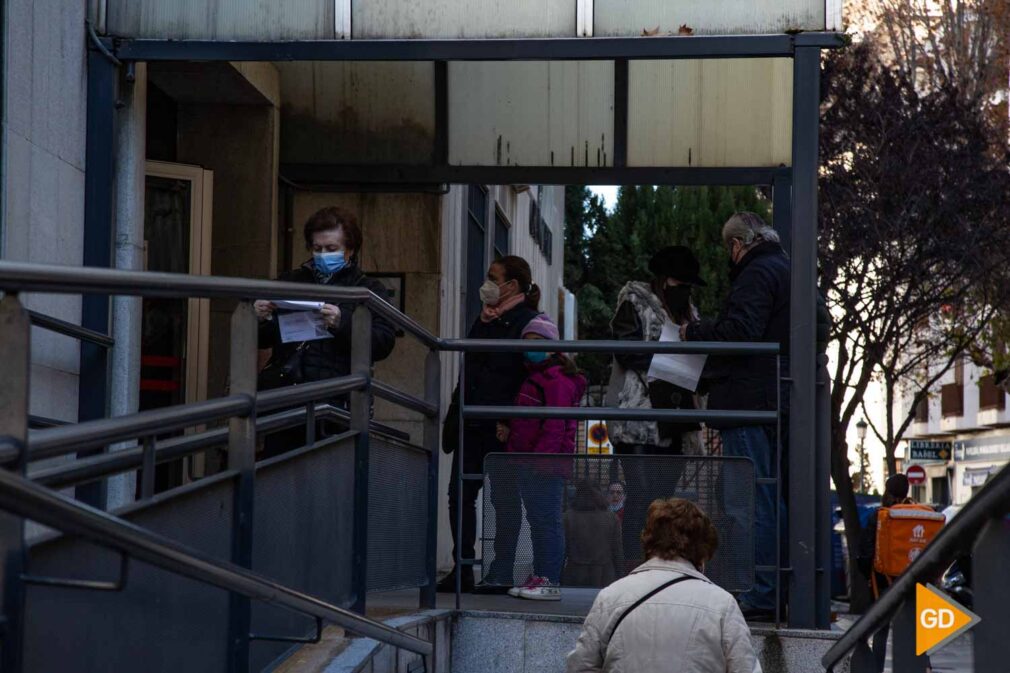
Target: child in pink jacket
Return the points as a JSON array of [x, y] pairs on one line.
[[553, 381]]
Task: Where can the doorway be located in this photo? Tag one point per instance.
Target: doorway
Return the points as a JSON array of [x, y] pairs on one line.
[[175, 332]]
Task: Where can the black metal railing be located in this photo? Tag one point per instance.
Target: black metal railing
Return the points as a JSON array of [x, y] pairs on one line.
[[29, 494], [241, 410], [982, 527]]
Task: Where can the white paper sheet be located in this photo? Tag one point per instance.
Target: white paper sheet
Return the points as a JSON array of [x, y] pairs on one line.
[[302, 326], [680, 370], [293, 305]]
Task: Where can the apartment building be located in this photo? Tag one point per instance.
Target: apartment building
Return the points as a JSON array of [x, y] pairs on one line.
[[960, 435]]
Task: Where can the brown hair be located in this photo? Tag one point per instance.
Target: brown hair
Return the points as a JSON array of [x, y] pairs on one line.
[[331, 218], [588, 498], [678, 528], [518, 269]]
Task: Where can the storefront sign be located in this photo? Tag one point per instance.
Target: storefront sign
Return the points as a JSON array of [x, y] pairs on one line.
[[991, 448], [925, 450]]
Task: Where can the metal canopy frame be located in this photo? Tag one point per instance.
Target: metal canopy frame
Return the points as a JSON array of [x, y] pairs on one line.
[[794, 195]]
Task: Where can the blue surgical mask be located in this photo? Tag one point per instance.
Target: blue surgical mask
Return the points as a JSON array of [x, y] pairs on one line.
[[329, 262], [535, 357]]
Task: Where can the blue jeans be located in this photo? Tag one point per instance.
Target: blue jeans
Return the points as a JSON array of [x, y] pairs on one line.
[[757, 443], [542, 496]]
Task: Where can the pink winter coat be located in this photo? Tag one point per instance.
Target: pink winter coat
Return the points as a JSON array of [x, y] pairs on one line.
[[547, 386]]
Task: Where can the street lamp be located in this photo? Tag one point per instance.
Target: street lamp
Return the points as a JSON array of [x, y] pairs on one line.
[[861, 426]]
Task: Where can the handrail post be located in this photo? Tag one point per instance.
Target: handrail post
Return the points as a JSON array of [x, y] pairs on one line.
[[242, 458], [15, 353], [432, 395], [361, 408], [903, 640], [992, 594]]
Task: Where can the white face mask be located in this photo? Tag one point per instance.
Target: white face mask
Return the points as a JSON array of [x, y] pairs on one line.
[[490, 293]]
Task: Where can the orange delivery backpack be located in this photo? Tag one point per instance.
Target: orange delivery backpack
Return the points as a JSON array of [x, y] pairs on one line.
[[903, 531]]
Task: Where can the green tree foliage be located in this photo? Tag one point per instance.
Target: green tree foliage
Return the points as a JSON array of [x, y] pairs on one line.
[[606, 250]]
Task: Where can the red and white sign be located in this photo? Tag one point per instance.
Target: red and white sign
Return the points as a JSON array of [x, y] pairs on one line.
[[916, 475]]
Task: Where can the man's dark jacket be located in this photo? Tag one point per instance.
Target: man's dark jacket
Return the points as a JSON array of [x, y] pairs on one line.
[[757, 309]]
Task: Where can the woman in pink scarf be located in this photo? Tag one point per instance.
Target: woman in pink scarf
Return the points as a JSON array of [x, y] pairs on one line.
[[510, 300]]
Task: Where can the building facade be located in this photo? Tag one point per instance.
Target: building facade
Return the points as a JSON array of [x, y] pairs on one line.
[[201, 186], [960, 435]]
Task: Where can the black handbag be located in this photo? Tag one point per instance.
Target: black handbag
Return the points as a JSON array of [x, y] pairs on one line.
[[280, 374], [450, 425]]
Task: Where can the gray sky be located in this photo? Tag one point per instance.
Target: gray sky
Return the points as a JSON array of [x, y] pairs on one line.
[[608, 193]]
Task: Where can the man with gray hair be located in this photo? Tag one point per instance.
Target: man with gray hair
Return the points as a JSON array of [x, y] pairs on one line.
[[757, 309]]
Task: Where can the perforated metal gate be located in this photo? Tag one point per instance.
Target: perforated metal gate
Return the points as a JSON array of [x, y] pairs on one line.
[[567, 499]]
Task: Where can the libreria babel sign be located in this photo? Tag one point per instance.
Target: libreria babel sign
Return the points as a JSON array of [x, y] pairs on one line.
[[938, 619]]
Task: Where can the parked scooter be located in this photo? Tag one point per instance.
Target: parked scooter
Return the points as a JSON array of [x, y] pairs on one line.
[[957, 581]]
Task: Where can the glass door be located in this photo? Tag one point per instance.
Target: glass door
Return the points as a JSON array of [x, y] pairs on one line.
[[174, 341]]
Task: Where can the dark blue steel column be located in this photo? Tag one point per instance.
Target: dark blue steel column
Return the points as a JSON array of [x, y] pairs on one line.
[[93, 398], [802, 472]]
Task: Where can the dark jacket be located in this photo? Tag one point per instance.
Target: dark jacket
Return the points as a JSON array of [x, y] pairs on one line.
[[626, 326], [593, 549], [757, 309], [326, 358], [492, 379]]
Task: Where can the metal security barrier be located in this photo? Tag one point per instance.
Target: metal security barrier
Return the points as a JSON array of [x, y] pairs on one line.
[[753, 417], [515, 485]]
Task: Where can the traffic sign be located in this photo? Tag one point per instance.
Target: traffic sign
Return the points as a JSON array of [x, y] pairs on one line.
[[938, 619], [916, 475]]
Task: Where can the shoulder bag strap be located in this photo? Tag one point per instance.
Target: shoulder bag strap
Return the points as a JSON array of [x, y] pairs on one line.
[[662, 587]]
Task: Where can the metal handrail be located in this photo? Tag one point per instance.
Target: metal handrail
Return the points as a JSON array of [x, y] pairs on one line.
[[391, 394], [65, 439], [615, 414], [992, 500], [69, 329], [30, 277], [33, 501], [104, 465], [308, 392], [612, 346]]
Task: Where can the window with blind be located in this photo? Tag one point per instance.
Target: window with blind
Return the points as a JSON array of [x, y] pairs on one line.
[[476, 245], [501, 235]]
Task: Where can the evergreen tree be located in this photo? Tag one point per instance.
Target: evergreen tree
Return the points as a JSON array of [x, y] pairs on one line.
[[612, 249]]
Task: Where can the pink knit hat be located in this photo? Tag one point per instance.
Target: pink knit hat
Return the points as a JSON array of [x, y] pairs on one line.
[[542, 326]]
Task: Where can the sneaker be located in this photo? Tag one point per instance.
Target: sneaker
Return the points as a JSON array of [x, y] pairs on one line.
[[531, 582], [544, 592]]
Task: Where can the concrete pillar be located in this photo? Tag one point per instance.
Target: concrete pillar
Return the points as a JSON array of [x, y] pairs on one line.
[[131, 153]]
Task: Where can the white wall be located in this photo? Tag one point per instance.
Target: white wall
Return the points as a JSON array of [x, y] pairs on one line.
[[515, 206], [43, 183]]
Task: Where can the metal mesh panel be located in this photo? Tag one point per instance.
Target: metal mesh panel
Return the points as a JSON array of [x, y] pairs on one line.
[[303, 538], [397, 515], [159, 622], [576, 534]]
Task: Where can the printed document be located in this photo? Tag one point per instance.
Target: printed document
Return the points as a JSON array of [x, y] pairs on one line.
[[680, 370], [302, 326]]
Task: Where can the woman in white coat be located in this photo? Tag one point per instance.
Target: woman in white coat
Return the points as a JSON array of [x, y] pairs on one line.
[[666, 616]]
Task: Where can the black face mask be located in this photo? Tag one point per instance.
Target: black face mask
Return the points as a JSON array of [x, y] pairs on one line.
[[678, 298]]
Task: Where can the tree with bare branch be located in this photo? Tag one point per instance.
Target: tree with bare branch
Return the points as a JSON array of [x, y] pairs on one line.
[[915, 237]]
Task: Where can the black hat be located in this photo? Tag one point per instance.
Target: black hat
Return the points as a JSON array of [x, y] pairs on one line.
[[677, 262]]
